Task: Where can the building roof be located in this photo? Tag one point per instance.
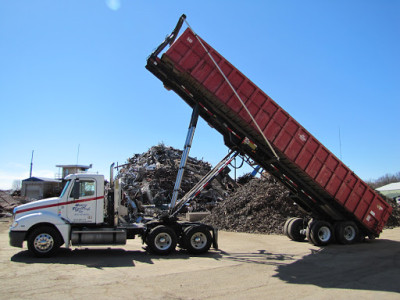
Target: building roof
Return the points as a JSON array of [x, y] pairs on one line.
[[42, 179], [391, 190], [74, 166], [389, 187]]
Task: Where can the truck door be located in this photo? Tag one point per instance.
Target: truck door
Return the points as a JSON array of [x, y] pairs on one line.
[[81, 207]]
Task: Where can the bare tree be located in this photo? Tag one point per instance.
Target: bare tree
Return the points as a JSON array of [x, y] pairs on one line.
[[16, 185], [384, 180]]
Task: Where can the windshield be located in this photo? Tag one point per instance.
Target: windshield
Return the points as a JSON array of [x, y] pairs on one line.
[[65, 188]]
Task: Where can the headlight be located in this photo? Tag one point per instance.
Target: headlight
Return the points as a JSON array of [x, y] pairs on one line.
[[14, 224]]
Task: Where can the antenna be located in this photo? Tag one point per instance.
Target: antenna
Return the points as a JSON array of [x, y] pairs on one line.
[[30, 172], [77, 155]]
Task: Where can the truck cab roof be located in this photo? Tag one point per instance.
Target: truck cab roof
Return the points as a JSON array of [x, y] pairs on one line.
[[84, 175]]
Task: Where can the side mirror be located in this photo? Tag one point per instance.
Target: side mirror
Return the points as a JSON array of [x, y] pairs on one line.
[[75, 190]]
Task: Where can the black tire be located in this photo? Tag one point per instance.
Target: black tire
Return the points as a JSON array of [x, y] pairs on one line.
[[44, 241], [346, 232], [285, 227], [308, 231], [320, 233], [294, 228], [181, 242], [161, 240], [197, 239]]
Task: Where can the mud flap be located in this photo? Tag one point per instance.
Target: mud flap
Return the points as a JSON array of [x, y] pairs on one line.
[[215, 238]]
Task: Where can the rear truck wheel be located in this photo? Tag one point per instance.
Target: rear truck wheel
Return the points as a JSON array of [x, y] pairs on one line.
[[319, 233], [197, 239], [161, 240], [44, 241], [285, 227], [308, 231], [346, 232], [294, 230]]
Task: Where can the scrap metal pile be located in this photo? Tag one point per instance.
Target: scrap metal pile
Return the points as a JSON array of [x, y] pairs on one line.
[[259, 206], [394, 219], [149, 178], [263, 206], [8, 202]]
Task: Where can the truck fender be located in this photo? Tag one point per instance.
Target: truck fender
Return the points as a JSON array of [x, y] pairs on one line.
[[27, 222]]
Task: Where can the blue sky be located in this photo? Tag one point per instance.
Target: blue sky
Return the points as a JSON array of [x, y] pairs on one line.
[[72, 75]]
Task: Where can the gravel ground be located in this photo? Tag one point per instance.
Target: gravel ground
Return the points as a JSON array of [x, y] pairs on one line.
[[247, 266]]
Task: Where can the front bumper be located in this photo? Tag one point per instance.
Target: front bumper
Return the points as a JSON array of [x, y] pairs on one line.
[[17, 238]]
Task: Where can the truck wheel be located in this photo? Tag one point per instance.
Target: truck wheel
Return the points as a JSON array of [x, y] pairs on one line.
[[347, 232], [294, 228], [161, 240], [44, 241], [286, 225], [308, 231], [197, 239], [320, 233]]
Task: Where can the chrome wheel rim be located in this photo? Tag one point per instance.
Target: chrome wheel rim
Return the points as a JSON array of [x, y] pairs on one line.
[[163, 241], [44, 242], [324, 234], [349, 233], [198, 240]]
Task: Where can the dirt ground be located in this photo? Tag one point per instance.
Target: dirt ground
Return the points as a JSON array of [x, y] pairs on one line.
[[247, 266]]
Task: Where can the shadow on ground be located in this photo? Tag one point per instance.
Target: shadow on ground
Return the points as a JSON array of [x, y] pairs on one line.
[[103, 258], [373, 265], [261, 257]]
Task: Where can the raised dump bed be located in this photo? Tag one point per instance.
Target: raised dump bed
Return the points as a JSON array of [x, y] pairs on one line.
[[255, 124]]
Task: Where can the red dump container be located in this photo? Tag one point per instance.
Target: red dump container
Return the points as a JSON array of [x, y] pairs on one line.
[[293, 143]]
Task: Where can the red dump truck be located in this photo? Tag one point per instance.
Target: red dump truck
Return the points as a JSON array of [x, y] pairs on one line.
[[341, 206]]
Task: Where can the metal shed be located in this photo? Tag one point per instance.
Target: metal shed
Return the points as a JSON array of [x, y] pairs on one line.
[[39, 187], [391, 190]]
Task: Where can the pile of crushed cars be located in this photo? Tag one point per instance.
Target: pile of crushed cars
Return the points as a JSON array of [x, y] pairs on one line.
[[149, 179]]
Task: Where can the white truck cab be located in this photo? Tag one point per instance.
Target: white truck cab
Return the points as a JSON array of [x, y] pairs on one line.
[[80, 202], [84, 214]]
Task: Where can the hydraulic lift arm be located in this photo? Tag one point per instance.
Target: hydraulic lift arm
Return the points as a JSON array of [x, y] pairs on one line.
[[185, 155], [202, 184]]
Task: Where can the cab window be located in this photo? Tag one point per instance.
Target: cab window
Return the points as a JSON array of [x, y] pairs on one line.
[[65, 188], [86, 188]]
